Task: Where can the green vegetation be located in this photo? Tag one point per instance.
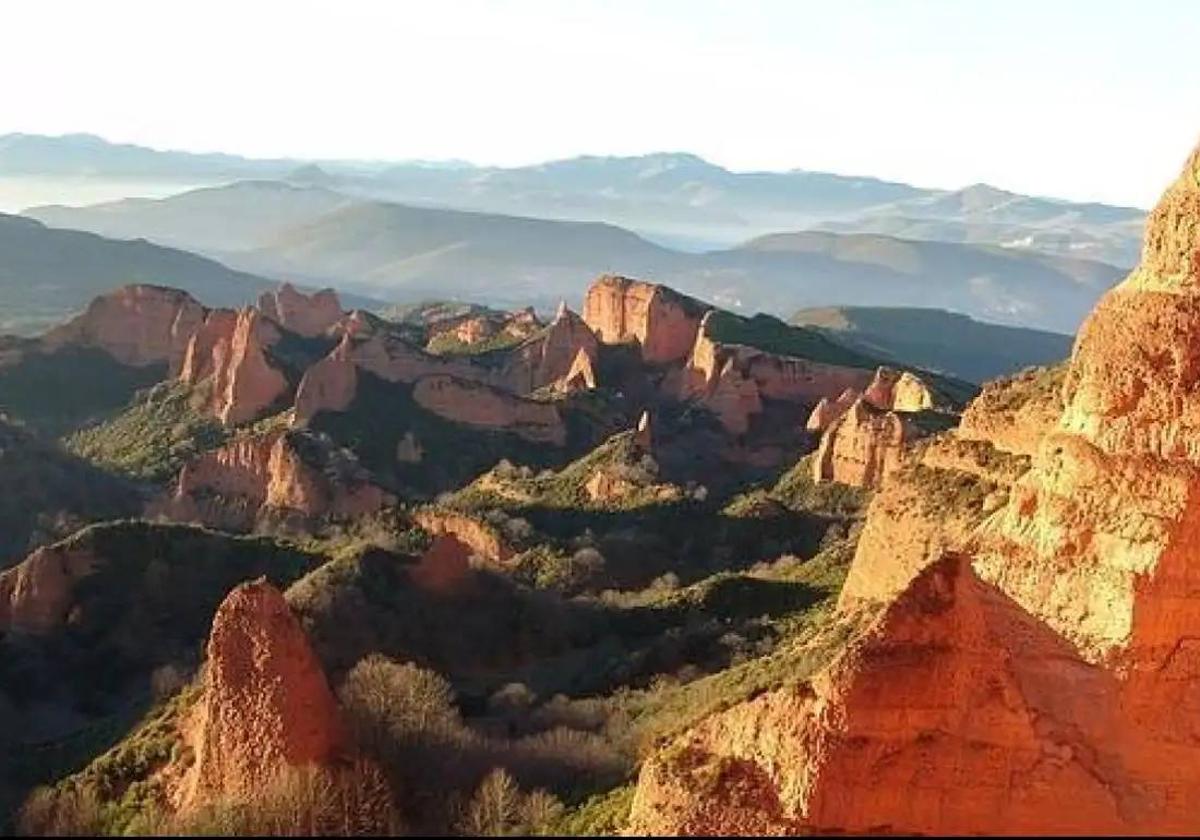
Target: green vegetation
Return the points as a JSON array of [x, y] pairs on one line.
[[153, 437], [772, 335], [448, 344], [383, 413], [46, 494], [58, 392]]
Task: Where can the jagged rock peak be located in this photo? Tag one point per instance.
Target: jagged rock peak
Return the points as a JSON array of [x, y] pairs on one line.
[[306, 315]]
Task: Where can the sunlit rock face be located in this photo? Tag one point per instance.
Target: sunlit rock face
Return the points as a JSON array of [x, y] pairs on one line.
[[1047, 681], [274, 476], [861, 447], [661, 321], [266, 704], [137, 325], [306, 315], [485, 407]]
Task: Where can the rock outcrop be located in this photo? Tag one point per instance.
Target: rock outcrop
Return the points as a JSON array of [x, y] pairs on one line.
[[1014, 414], [552, 355], [36, 594], [862, 446], [485, 407], [329, 385], [266, 704], [581, 376], [445, 567], [137, 325], [1046, 682], [306, 315], [661, 321], [278, 476], [896, 390], [732, 380], [228, 352], [480, 538]]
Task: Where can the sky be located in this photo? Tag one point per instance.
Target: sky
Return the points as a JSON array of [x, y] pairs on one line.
[[1095, 100]]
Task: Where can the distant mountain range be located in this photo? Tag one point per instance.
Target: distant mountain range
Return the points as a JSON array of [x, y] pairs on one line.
[[674, 199], [47, 274], [317, 236], [937, 340]]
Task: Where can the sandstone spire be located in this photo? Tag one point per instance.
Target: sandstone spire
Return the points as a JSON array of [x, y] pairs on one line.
[[266, 704]]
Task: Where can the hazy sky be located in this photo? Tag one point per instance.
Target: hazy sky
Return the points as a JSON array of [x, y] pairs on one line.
[[1090, 99]]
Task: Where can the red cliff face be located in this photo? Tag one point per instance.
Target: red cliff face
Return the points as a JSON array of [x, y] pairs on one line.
[[661, 321], [1045, 682], [475, 404], [266, 704], [861, 447], [275, 476], [306, 315], [733, 380], [136, 325], [329, 385], [228, 351]]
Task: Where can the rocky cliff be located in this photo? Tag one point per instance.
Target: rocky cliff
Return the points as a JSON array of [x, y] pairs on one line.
[[862, 446], [137, 325], [306, 315], [36, 594], [280, 476], [661, 321], [1044, 682], [733, 379], [485, 407]]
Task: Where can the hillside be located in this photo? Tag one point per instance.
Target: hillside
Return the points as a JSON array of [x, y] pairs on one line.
[[405, 253], [46, 274], [984, 215], [938, 340]]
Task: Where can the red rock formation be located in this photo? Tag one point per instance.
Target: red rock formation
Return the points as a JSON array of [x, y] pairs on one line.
[[1015, 413], [896, 390], [643, 435], [271, 476], [861, 447], [481, 539], [228, 350], [1048, 684], [306, 315], [208, 347], [36, 594], [136, 325], [910, 393], [732, 380], [954, 713], [329, 385], [826, 411], [549, 356], [476, 404], [662, 322], [265, 705]]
